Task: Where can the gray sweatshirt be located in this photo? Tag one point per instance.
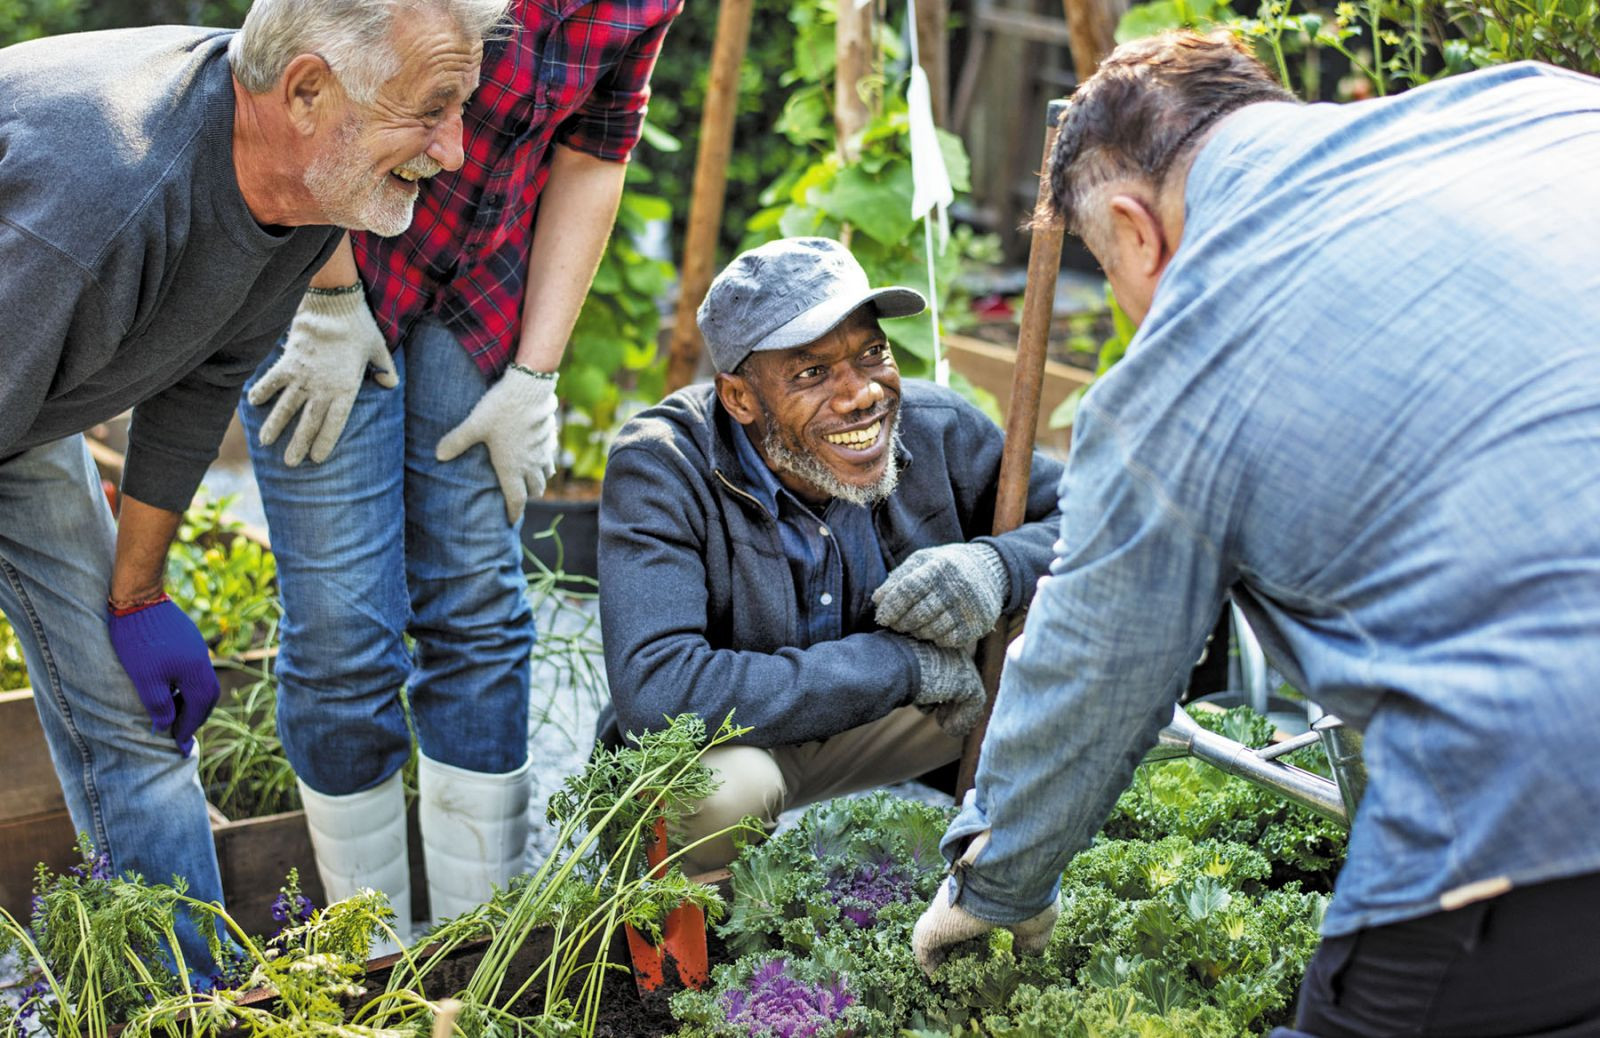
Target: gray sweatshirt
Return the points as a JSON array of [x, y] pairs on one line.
[[131, 272]]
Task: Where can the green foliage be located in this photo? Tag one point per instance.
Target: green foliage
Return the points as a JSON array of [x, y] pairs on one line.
[[1561, 32], [30, 19], [1187, 916], [242, 766], [1189, 798], [13, 668], [1108, 352], [225, 583], [97, 941], [678, 98], [865, 200], [793, 889], [223, 580], [612, 357]]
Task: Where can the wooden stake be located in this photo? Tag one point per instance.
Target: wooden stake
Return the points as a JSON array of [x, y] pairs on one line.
[[934, 49], [853, 49], [1016, 461], [1092, 28], [710, 187]]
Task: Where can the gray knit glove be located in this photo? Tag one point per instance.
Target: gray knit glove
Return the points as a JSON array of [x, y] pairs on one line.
[[949, 687], [949, 595]]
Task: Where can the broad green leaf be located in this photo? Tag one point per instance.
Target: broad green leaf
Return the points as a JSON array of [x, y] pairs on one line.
[[879, 207]]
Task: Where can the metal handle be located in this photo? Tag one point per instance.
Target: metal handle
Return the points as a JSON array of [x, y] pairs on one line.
[[1183, 737]]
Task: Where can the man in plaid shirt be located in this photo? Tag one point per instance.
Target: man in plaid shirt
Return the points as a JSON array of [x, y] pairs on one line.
[[412, 525]]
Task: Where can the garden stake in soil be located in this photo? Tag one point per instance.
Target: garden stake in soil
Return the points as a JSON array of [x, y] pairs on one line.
[[1022, 418], [683, 935]]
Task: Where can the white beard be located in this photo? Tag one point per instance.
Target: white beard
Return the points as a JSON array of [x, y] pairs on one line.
[[341, 185]]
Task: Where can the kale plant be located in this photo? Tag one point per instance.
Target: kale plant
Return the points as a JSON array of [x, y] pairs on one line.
[[1190, 798], [836, 871], [772, 1002]]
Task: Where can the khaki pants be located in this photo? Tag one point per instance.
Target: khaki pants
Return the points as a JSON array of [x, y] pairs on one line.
[[765, 783]]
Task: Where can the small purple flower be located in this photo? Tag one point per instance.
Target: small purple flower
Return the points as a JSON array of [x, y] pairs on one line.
[[291, 908], [97, 869], [777, 1004], [31, 999], [861, 894]]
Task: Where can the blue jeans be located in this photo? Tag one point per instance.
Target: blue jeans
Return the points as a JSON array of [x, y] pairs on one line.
[[128, 788], [379, 541]]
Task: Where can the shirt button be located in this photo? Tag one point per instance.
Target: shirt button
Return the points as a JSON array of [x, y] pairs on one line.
[[826, 599], [823, 530]]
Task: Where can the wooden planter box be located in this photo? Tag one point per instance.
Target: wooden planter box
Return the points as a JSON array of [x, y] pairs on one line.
[[990, 367], [253, 854]]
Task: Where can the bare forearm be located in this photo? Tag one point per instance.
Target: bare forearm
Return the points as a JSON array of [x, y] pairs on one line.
[[340, 270], [144, 533], [576, 212]]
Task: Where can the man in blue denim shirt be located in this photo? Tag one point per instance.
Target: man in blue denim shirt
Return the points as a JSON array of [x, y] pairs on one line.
[[806, 544], [1365, 400]]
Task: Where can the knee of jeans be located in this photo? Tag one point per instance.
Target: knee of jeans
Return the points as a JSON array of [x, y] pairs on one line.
[[342, 748], [335, 660]]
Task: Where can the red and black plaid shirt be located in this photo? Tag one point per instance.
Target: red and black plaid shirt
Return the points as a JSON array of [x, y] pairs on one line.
[[574, 72]]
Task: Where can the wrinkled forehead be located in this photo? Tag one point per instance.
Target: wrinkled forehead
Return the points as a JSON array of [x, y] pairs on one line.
[[437, 61]]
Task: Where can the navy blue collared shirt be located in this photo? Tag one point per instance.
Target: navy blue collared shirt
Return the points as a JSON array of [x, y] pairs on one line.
[[835, 558]]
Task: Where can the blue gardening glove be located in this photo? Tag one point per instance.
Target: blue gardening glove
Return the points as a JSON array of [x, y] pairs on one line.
[[162, 651]]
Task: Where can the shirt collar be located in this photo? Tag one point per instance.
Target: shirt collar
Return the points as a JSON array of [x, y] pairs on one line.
[[764, 481]]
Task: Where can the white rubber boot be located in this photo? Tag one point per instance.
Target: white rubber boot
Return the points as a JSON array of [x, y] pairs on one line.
[[360, 841], [474, 832]]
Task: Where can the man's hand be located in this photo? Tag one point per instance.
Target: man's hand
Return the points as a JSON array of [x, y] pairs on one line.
[[949, 595], [945, 923], [950, 687], [516, 421], [330, 345], [164, 654]]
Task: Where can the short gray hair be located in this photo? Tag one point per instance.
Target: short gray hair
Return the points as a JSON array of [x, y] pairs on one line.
[[350, 35], [1143, 110]]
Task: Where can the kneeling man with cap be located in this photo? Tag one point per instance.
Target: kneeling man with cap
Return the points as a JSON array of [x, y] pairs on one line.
[[805, 544]]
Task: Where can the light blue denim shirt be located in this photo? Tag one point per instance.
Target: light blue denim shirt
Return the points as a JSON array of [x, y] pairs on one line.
[[1367, 399]]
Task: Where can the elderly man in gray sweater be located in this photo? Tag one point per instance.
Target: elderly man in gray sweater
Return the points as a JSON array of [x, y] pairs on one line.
[[164, 200]]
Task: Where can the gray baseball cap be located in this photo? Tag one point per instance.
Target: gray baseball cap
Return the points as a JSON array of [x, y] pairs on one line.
[[787, 293]]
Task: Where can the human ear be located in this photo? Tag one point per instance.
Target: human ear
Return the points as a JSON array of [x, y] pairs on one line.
[[306, 90], [1138, 240], [738, 397]]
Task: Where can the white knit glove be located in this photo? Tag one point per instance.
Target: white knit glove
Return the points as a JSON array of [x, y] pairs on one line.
[[945, 923], [330, 345], [516, 421], [949, 595]]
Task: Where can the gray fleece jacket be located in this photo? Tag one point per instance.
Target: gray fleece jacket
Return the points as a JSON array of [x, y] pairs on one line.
[[696, 598], [132, 274]]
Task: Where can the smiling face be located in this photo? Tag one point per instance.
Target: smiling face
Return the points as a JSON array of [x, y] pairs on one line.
[[365, 176], [823, 415]]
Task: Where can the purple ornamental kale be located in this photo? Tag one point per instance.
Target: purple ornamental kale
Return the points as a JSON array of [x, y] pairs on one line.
[[776, 1004], [862, 893]]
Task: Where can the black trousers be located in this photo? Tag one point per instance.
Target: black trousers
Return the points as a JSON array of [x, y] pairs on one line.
[[1524, 964]]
